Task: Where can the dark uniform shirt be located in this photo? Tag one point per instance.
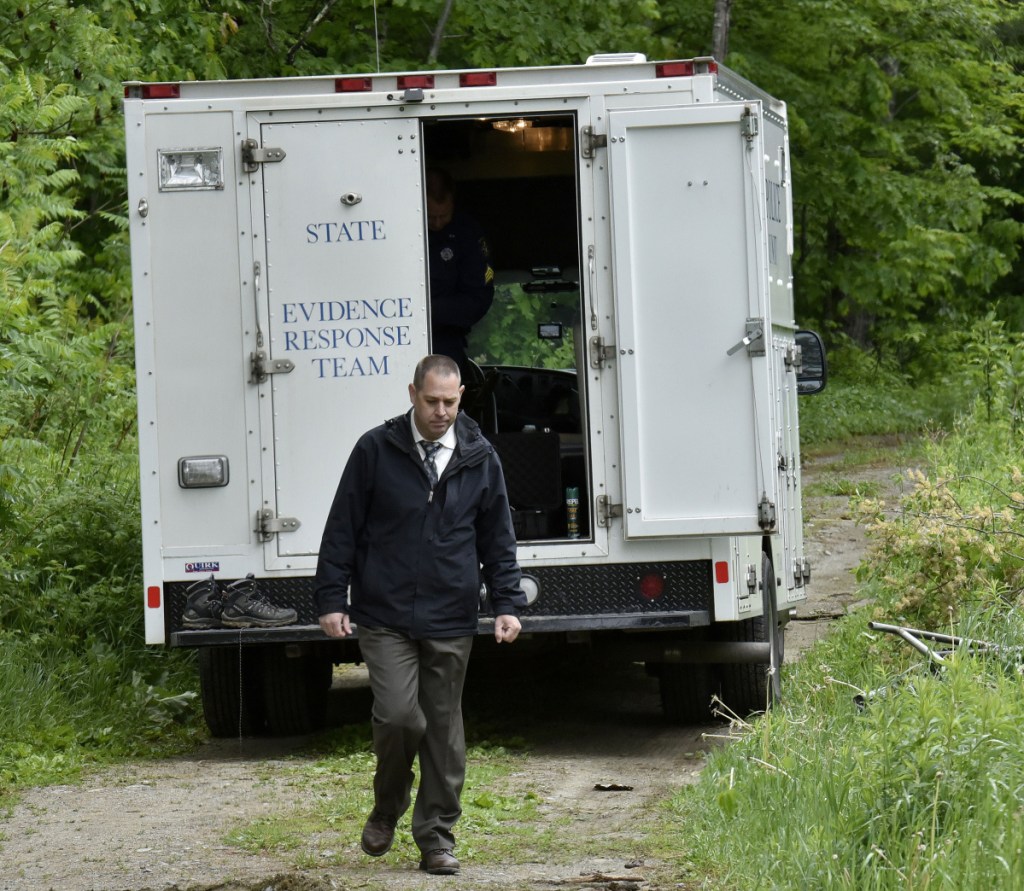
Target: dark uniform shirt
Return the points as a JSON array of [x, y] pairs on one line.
[[461, 284]]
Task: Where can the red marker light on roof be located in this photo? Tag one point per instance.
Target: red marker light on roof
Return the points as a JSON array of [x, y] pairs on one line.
[[161, 91], [674, 69], [687, 68], [478, 79], [353, 84], [416, 81]]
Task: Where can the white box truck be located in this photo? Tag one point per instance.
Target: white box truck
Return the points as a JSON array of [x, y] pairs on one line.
[[637, 372]]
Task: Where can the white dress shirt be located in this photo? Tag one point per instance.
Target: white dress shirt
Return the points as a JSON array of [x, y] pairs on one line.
[[444, 454]]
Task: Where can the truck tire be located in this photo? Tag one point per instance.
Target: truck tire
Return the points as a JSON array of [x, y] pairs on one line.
[[748, 688], [685, 692], [295, 686], [230, 679]]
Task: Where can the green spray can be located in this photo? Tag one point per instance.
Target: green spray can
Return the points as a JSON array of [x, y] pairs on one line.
[[572, 511]]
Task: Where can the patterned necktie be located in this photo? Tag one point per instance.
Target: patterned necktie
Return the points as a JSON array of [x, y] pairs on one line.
[[429, 450]]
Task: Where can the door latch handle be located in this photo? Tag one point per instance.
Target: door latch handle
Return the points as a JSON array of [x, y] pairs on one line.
[[753, 340]]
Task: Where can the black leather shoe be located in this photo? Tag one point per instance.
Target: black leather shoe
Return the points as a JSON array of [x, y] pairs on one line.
[[378, 834], [441, 862]]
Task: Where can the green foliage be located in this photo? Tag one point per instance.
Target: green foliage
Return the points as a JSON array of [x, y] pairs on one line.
[[920, 787], [866, 396], [881, 771], [993, 357], [507, 335], [956, 532], [906, 160], [76, 682], [958, 529]]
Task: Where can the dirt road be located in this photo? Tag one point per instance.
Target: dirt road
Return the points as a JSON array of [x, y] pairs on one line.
[[161, 825]]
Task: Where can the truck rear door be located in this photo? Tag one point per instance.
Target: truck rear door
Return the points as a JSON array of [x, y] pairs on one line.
[[341, 306], [689, 274]]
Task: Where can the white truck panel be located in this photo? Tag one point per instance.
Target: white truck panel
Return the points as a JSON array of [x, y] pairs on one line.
[[345, 300], [685, 212], [684, 227], [198, 360]]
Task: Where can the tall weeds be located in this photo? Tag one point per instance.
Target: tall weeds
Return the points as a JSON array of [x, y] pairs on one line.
[[76, 682], [882, 770]]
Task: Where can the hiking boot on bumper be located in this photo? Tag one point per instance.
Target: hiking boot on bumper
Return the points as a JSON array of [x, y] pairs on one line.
[[378, 834], [203, 606], [441, 862], [246, 607]]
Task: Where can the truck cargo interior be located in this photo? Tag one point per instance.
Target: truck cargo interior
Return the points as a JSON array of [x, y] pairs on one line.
[[518, 178]]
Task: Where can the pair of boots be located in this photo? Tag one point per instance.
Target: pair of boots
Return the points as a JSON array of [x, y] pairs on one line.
[[238, 605]]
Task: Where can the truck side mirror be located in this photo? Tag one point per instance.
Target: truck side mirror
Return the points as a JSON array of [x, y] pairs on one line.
[[813, 371]]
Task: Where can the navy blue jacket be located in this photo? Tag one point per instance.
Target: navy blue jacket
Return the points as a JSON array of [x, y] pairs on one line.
[[413, 556], [461, 278]]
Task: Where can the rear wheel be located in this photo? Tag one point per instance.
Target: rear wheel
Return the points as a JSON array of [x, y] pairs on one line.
[[230, 681], [295, 685], [754, 687]]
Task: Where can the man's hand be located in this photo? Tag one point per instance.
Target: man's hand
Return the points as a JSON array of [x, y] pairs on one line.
[[506, 629], [335, 624]]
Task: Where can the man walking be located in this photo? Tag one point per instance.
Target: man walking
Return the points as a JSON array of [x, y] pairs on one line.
[[420, 513]]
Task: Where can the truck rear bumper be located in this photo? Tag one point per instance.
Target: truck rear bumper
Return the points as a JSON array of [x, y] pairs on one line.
[[219, 637], [596, 597]]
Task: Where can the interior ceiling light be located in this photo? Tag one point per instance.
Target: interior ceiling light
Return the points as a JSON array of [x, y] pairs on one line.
[[512, 126]]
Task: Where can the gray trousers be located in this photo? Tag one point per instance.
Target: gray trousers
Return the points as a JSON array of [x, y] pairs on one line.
[[417, 710]]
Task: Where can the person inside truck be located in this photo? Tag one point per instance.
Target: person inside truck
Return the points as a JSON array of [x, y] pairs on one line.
[[461, 277], [420, 515]]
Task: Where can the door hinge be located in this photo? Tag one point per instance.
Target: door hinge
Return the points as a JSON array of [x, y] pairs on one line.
[[267, 525], [803, 568], [606, 511], [794, 358], [751, 578], [600, 352], [749, 126], [590, 141], [766, 513], [801, 571], [253, 155], [261, 367]]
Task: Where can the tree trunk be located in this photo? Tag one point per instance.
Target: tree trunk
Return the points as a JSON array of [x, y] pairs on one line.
[[720, 29], [435, 46]]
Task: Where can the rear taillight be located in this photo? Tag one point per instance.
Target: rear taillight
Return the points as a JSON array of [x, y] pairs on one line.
[[652, 585], [722, 573]]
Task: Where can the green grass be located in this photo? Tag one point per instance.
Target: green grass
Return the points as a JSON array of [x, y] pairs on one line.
[[921, 787], [879, 772], [860, 451], [835, 485], [501, 819], [67, 711]]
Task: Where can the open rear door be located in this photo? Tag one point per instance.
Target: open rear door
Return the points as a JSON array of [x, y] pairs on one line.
[[342, 307], [689, 233]]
